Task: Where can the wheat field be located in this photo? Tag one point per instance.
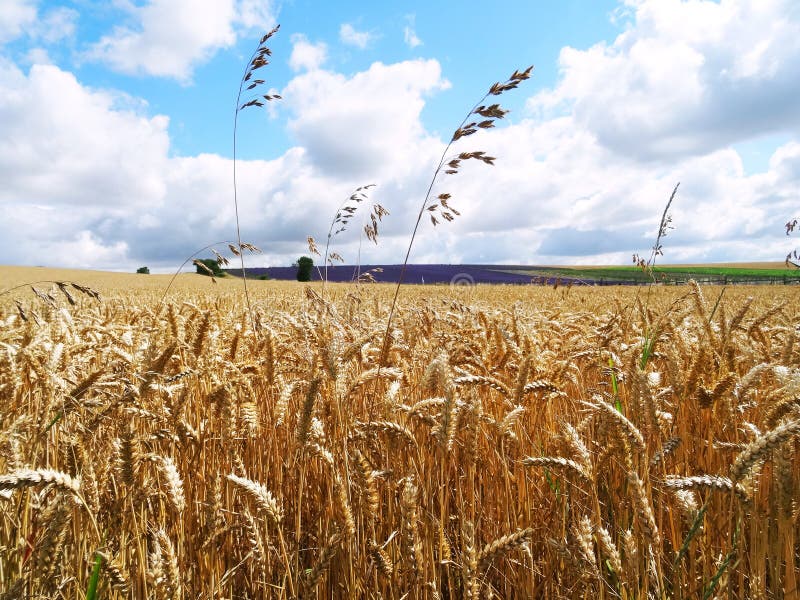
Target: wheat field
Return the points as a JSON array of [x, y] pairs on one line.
[[517, 442]]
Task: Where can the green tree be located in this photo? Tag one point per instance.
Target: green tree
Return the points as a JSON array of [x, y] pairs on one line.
[[304, 266], [143, 270], [212, 265]]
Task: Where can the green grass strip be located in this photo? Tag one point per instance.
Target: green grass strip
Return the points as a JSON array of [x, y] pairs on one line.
[[555, 485], [712, 585], [94, 580], [716, 305], [647, 348], [698, 520], [614, 386], [52, 423]]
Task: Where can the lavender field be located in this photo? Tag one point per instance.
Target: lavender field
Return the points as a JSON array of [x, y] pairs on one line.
[[415, 274]]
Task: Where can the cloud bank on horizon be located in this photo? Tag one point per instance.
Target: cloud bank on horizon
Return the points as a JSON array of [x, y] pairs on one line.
[[100, 170]]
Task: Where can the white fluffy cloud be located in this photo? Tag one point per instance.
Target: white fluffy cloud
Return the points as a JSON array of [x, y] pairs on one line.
[[557, 196], [685, 78], [255, 14], [366, 125], [410, 33], [77, 196], [21, 17], [168, 38], [306, 55], [15, 15], [62, 170], [56, 144], [350, 36], [56, 25]]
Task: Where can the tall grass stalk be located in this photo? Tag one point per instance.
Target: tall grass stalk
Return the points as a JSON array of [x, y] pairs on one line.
[[258, 59], [489, 114]]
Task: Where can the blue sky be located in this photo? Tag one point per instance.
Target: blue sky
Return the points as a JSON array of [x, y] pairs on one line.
[[118, 122]]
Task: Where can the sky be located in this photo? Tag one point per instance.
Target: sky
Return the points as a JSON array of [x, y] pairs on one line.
[[117, 117]]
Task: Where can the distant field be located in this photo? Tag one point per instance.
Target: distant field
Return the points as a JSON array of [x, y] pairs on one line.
[[719, 274], [105, 281], [722, 274], [108, 282], [768, 265], [11, 276], [414, 274]]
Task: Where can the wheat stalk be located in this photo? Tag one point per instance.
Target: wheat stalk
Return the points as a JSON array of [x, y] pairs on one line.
[[24, 478], [502, 546], [263, 498], [761, 447]]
